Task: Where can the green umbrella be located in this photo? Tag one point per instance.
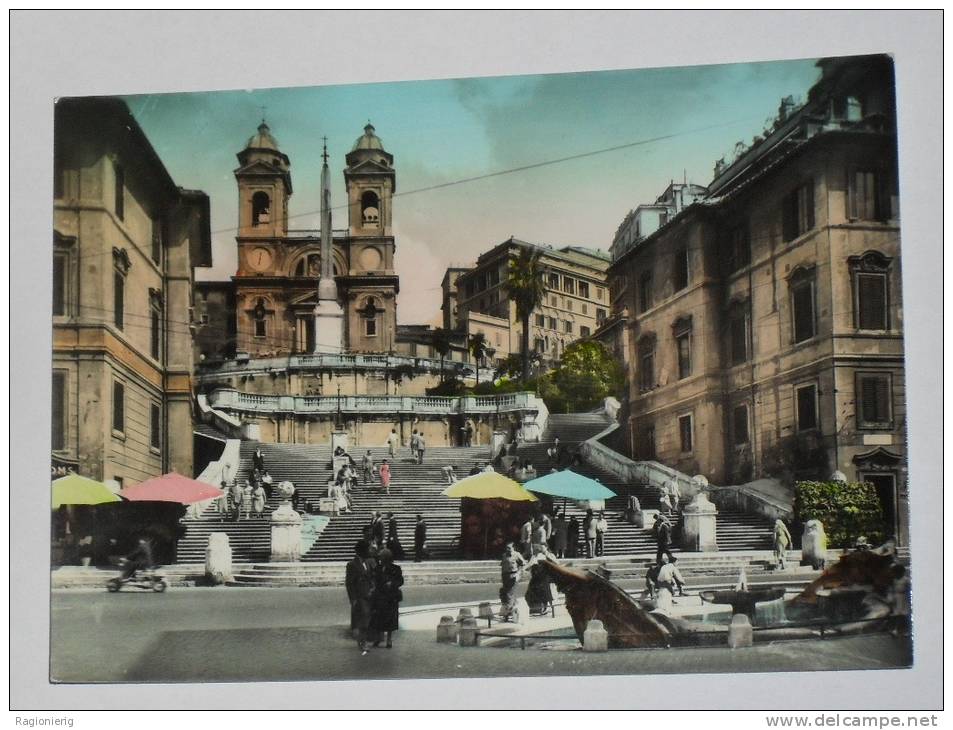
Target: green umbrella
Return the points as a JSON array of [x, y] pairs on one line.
[[569, 485], [74, 489]]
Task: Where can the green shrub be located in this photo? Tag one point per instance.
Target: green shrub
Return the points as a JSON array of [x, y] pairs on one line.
[[847, 510]]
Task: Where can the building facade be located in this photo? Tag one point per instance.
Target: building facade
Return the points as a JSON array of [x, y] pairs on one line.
[[575, 303], [766, 322], [125, 241]]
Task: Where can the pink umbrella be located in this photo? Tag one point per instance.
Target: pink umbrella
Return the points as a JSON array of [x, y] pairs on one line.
[[171, 488]]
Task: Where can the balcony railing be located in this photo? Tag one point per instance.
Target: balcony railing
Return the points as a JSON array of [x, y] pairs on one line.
[[237, 401]]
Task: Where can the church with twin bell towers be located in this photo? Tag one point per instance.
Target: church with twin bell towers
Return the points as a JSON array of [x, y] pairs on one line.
[[314, 292]]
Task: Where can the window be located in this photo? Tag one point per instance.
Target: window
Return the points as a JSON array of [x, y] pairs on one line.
[[158, 239], [871, 301], [873, 400], [797, 214], [585, 309], [600, 293], [539, 344], [568, 326], [119, 298], [683, 344], [260, 208], [370, 327], [119, 201], [155, 334], [867, 196], [600, 316], [261, 328], [370, 208], [569, 304], [554, 281], [680, 270], [119, 407], [802, 305], [685, 433], [569, 285], [554, 301], [737, 253], [540, 320], [584, 331], [647, 364], [806, 405], [155, 432], [494, 277], [738, 334], [647, 445], [662, 219], [60, 401], [551, 323], [60, 282], [645, 290], [584, 289], [739, 425]]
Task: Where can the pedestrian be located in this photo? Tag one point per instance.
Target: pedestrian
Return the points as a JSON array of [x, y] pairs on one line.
[[602, 526], [476, 469], [420, 539], [651, 580], [782, 541], [539, 594], [469, 432], [665, 503], [589, 531], [267, 483], [421, 445], [258, 500], [377, 529], [663, 538], [674, 493], [393, 441], [221, 503], [669, 578], [538, 536], [367, 466], [393, 541], [560, 535], [510, 567], [258, 460], [385, 476], [237, 496], [526, 538], [449, 474], [572, 538], [359, 582], [385, 603], [547, 526], [413, 445]]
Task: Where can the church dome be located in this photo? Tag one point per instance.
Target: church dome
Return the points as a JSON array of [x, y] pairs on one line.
[[368, 140], [263, 140]]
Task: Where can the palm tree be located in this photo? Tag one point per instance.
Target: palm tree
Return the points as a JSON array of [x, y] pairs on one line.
[[440, 339], [524, 286], [478, 347]]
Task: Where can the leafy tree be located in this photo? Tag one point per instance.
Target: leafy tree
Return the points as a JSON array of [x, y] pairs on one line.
[[478, 347], [847, 510], [440, 339], [511, 367], [586, 375], [525, 288]]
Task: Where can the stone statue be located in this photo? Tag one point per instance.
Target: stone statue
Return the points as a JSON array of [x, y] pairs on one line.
[[814, 544]]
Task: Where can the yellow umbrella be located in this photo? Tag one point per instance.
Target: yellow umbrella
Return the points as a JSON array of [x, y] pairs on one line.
[[74, 489], [489, 485]]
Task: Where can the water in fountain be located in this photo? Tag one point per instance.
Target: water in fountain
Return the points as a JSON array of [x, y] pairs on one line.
[[742, 584], [771, 613]]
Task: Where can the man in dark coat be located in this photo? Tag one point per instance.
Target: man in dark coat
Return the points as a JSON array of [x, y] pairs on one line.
[[420, 538], [663, 538], [377, 529], [359, 581]]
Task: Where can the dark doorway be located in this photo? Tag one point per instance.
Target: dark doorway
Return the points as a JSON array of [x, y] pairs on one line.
[[886, 486]]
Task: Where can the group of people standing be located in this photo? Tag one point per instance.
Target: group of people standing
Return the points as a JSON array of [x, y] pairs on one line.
[[561, 536], [373, 582]]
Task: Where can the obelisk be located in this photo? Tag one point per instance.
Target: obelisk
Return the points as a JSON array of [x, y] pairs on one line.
[[328, 314]]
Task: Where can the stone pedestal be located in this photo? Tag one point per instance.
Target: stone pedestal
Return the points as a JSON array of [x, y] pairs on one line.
[[485, 611], [328, 328], [285, 535], [740, 633], [814, 544], [218, 559], [497, 440], [468, 632], [595, 637], [447, 630], [698, 526], [339, 438]]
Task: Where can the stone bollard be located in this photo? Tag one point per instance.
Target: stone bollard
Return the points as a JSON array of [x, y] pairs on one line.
[[464, 614], [218, 559], [698, 526], [740, 633], [485, 611], [595, 637], [468, 632], [447, 630]]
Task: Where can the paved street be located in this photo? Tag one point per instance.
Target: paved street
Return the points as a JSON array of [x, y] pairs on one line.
[[252, 634]]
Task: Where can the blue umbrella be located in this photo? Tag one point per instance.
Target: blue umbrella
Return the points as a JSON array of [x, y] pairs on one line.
[[569, 485]]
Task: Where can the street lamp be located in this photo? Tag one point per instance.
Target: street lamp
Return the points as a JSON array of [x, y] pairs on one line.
[[340, 421]]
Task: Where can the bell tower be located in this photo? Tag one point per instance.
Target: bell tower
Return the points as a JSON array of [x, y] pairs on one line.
[[371, 284], [264, 187]]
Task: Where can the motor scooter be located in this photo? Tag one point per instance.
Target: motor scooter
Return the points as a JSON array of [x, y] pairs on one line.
[[146, 578]]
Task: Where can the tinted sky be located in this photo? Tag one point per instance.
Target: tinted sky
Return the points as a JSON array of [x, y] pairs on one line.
[[447, 130]]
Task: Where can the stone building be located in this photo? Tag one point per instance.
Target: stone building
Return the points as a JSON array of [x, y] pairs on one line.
[[125, 241], [576, 301], [766, 327]]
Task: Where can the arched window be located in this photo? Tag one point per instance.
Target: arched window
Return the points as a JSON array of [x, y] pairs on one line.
[[370, 208], [309, 265], [260, 321], [370, 313], [260, 208]]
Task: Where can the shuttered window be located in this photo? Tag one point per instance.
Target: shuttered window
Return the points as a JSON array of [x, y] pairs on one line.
[[155, 334], [59, 410], [738, 335], [119, 299], [119, 407], [868, 196], [874, 401], [806, 407], [797, 211], [60, 268], [156, 430], [119, 203], [645, 291], [802, 306], [647, 365], [872, 301], [685, 432], [739, 419]]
